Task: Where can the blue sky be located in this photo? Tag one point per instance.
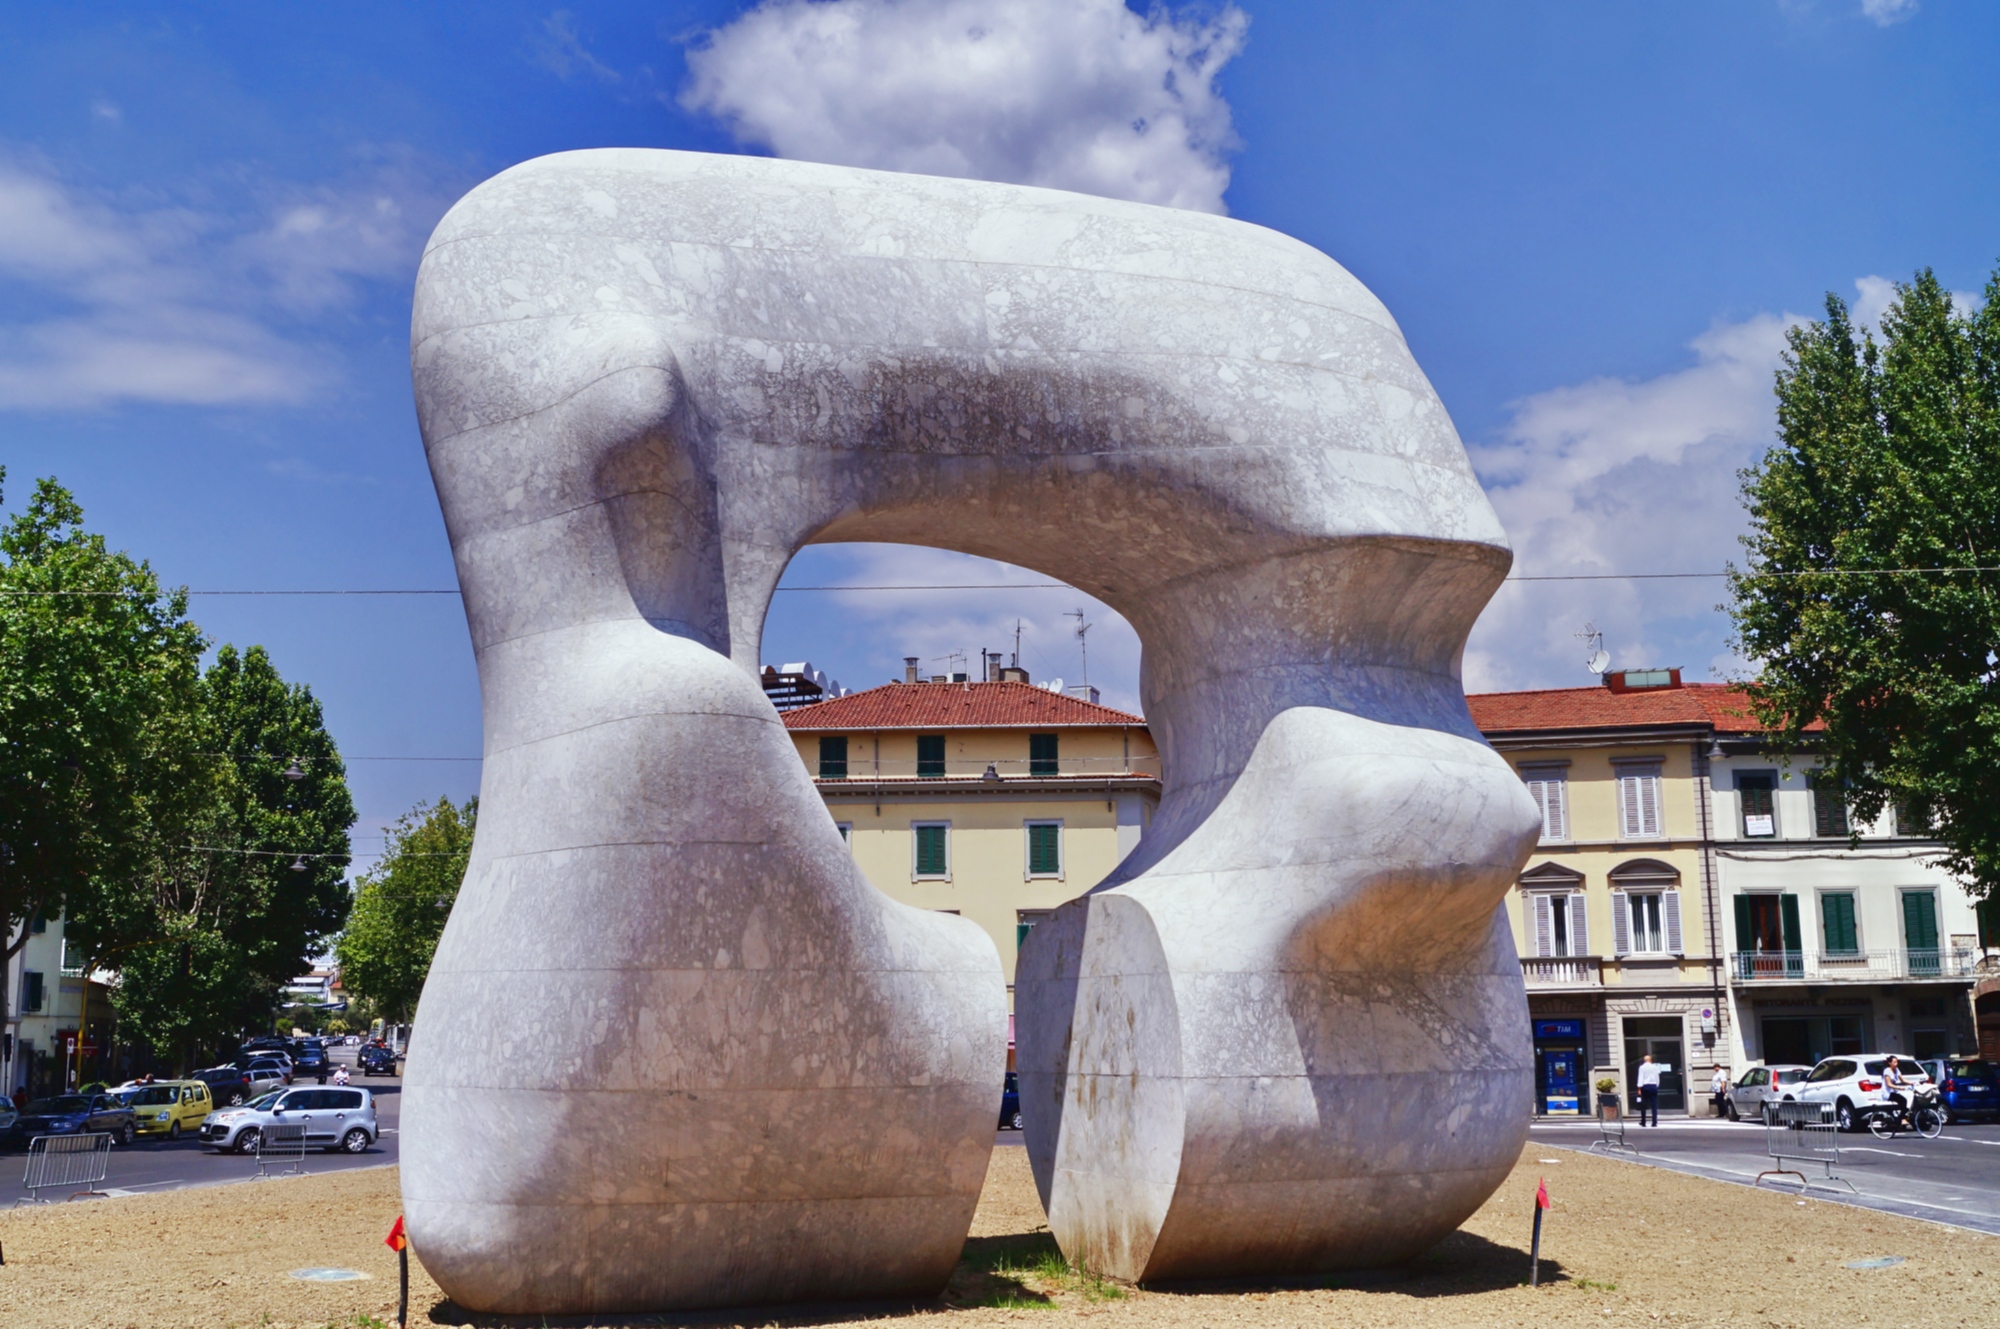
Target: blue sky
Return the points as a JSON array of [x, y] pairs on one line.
[[1591, 220]]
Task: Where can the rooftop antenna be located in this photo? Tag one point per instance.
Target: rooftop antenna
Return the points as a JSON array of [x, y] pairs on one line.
[[951, 661], [1600, 659], [1082, 644], [1016, 662]]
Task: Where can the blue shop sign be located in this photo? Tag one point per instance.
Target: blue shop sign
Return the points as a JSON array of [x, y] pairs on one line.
[[1558, 1029]]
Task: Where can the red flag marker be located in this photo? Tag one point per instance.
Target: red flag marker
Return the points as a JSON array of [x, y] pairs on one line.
[[1535, 1245], [400, 1244]]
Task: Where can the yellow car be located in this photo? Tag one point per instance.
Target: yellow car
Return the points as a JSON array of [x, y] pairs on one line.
[[169, 1107]]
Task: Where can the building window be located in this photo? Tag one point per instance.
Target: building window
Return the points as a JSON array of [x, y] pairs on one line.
[[39, 925], [1756, 801], [1645, 909], [1838, 934], [1638, 799], [31, 992], [1042, 758], [930, 756], [72, 959], [931, 850], [1988, 914], [1829, 800], [1920, 932], [1045, 849], [833, 757], [1024, 923], [1549, 787], [1913, 818], [846, 829], [1561, 928]]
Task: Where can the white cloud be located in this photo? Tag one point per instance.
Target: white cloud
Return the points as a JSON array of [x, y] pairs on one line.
[[1610, 476], [173, 305], [1071, 94], [1886, 12]]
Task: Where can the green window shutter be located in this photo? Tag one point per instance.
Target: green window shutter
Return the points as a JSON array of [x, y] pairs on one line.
[[930, 851], [31, 992], [1746, 938], [833, 757], [1829, 802], [1044, 849], [1042, 758], [1021, 931], [1837, 923], [1920, 920], [930, 755], [1788, 921], [1989, 921]]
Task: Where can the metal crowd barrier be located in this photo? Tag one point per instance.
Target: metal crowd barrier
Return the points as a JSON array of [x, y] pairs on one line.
[[56, 1161], [282, 1142], [1611, 1131], [1807, 1134]]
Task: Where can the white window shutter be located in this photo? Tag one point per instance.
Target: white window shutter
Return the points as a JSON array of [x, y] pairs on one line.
[[1579, 928], [1621, 925], [1539, 791], [1557, 817], [1544, 929], [1650, 802], [1628, 806], [1670, 919]]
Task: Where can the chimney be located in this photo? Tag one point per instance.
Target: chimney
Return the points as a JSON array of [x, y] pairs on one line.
[[992, 659], [910, 668], [1014, 674], [1082, 692]]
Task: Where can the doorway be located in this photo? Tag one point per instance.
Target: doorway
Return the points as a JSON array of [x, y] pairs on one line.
[[1660, 1038]]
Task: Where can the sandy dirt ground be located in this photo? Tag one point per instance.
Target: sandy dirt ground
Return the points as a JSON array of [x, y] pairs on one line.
[[1623, 1243]]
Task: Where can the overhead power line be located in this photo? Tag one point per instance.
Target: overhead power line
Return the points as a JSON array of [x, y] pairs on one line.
[[1064, 586]]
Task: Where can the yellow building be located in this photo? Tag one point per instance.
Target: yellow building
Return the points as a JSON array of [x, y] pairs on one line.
[[1616, 912], [995, 800]]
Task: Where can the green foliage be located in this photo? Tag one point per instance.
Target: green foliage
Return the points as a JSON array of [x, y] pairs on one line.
[[102, 751], [401, 906], [231, 919], [1889, 458]]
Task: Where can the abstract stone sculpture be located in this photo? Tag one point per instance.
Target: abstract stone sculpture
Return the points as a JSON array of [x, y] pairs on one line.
[[674, 1051]]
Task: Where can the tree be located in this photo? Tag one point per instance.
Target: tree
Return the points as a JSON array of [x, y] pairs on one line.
[[401, 906], [239, 910], [1870, 596], [100, 737]]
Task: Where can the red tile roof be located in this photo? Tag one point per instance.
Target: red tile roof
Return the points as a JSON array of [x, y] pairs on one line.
[[1722, 705], [954, 706]]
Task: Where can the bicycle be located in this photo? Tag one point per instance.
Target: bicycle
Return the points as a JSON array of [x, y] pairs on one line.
[[1923, 1118]]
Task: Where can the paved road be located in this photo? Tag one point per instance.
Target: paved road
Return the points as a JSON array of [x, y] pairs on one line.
[[156, 1165], [1952, 1179]]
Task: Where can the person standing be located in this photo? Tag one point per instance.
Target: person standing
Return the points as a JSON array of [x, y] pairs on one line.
[[1718, 1089], [1649, 1091]]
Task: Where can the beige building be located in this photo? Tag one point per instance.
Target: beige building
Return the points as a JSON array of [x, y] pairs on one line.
[[995, 800]]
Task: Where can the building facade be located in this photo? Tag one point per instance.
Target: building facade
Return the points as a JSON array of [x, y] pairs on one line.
[[1696, 898], [45, 996], [995, 800]]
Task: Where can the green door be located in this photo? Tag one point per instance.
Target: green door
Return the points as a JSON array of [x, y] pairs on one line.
[[1920, 934]]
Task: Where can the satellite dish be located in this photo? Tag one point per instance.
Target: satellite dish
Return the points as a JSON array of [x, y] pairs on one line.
[[1599, 662]]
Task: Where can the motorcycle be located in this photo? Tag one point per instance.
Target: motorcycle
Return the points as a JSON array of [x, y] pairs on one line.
[[1923, 1116]]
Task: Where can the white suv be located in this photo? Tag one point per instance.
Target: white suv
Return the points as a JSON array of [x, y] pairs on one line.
[[1854, 1085], [341, 1119]]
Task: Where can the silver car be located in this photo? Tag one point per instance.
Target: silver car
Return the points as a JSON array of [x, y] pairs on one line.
[[334, 1118], [1764, 1084]]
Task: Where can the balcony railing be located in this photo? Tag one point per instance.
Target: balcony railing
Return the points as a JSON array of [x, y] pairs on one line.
[[1850, 966], [1563, 971]]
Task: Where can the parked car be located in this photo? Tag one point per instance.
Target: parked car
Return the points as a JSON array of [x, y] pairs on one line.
[[267, 1066], [9, 1115], [1763, 1084], [312, 1060], [1967, 1087], [1010, 1103], [78, 1114], [375, 1059], [341, 1119], [1854, 1086], [232, 1086], [169, 1107]]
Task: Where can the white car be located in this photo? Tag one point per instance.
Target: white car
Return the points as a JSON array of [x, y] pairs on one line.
[[1761, 1085], [334, 1118], [1854, 1085]]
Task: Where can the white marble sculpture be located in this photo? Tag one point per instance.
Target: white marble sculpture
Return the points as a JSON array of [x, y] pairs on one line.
[[674, 1050]]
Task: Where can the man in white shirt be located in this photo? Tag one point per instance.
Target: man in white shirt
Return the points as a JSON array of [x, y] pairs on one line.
[[1649, 1090]]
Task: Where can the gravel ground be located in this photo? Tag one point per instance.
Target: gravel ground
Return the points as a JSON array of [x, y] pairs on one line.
[[1622, 1243]]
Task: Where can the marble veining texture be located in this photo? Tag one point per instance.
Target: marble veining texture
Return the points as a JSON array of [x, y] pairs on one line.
[[674, 1050]]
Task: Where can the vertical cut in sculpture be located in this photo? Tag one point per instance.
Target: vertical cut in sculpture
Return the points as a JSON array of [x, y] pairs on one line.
[[674, 1050]]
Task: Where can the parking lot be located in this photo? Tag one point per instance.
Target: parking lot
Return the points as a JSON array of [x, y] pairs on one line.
[[159, 1165], [1952, 1179]]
